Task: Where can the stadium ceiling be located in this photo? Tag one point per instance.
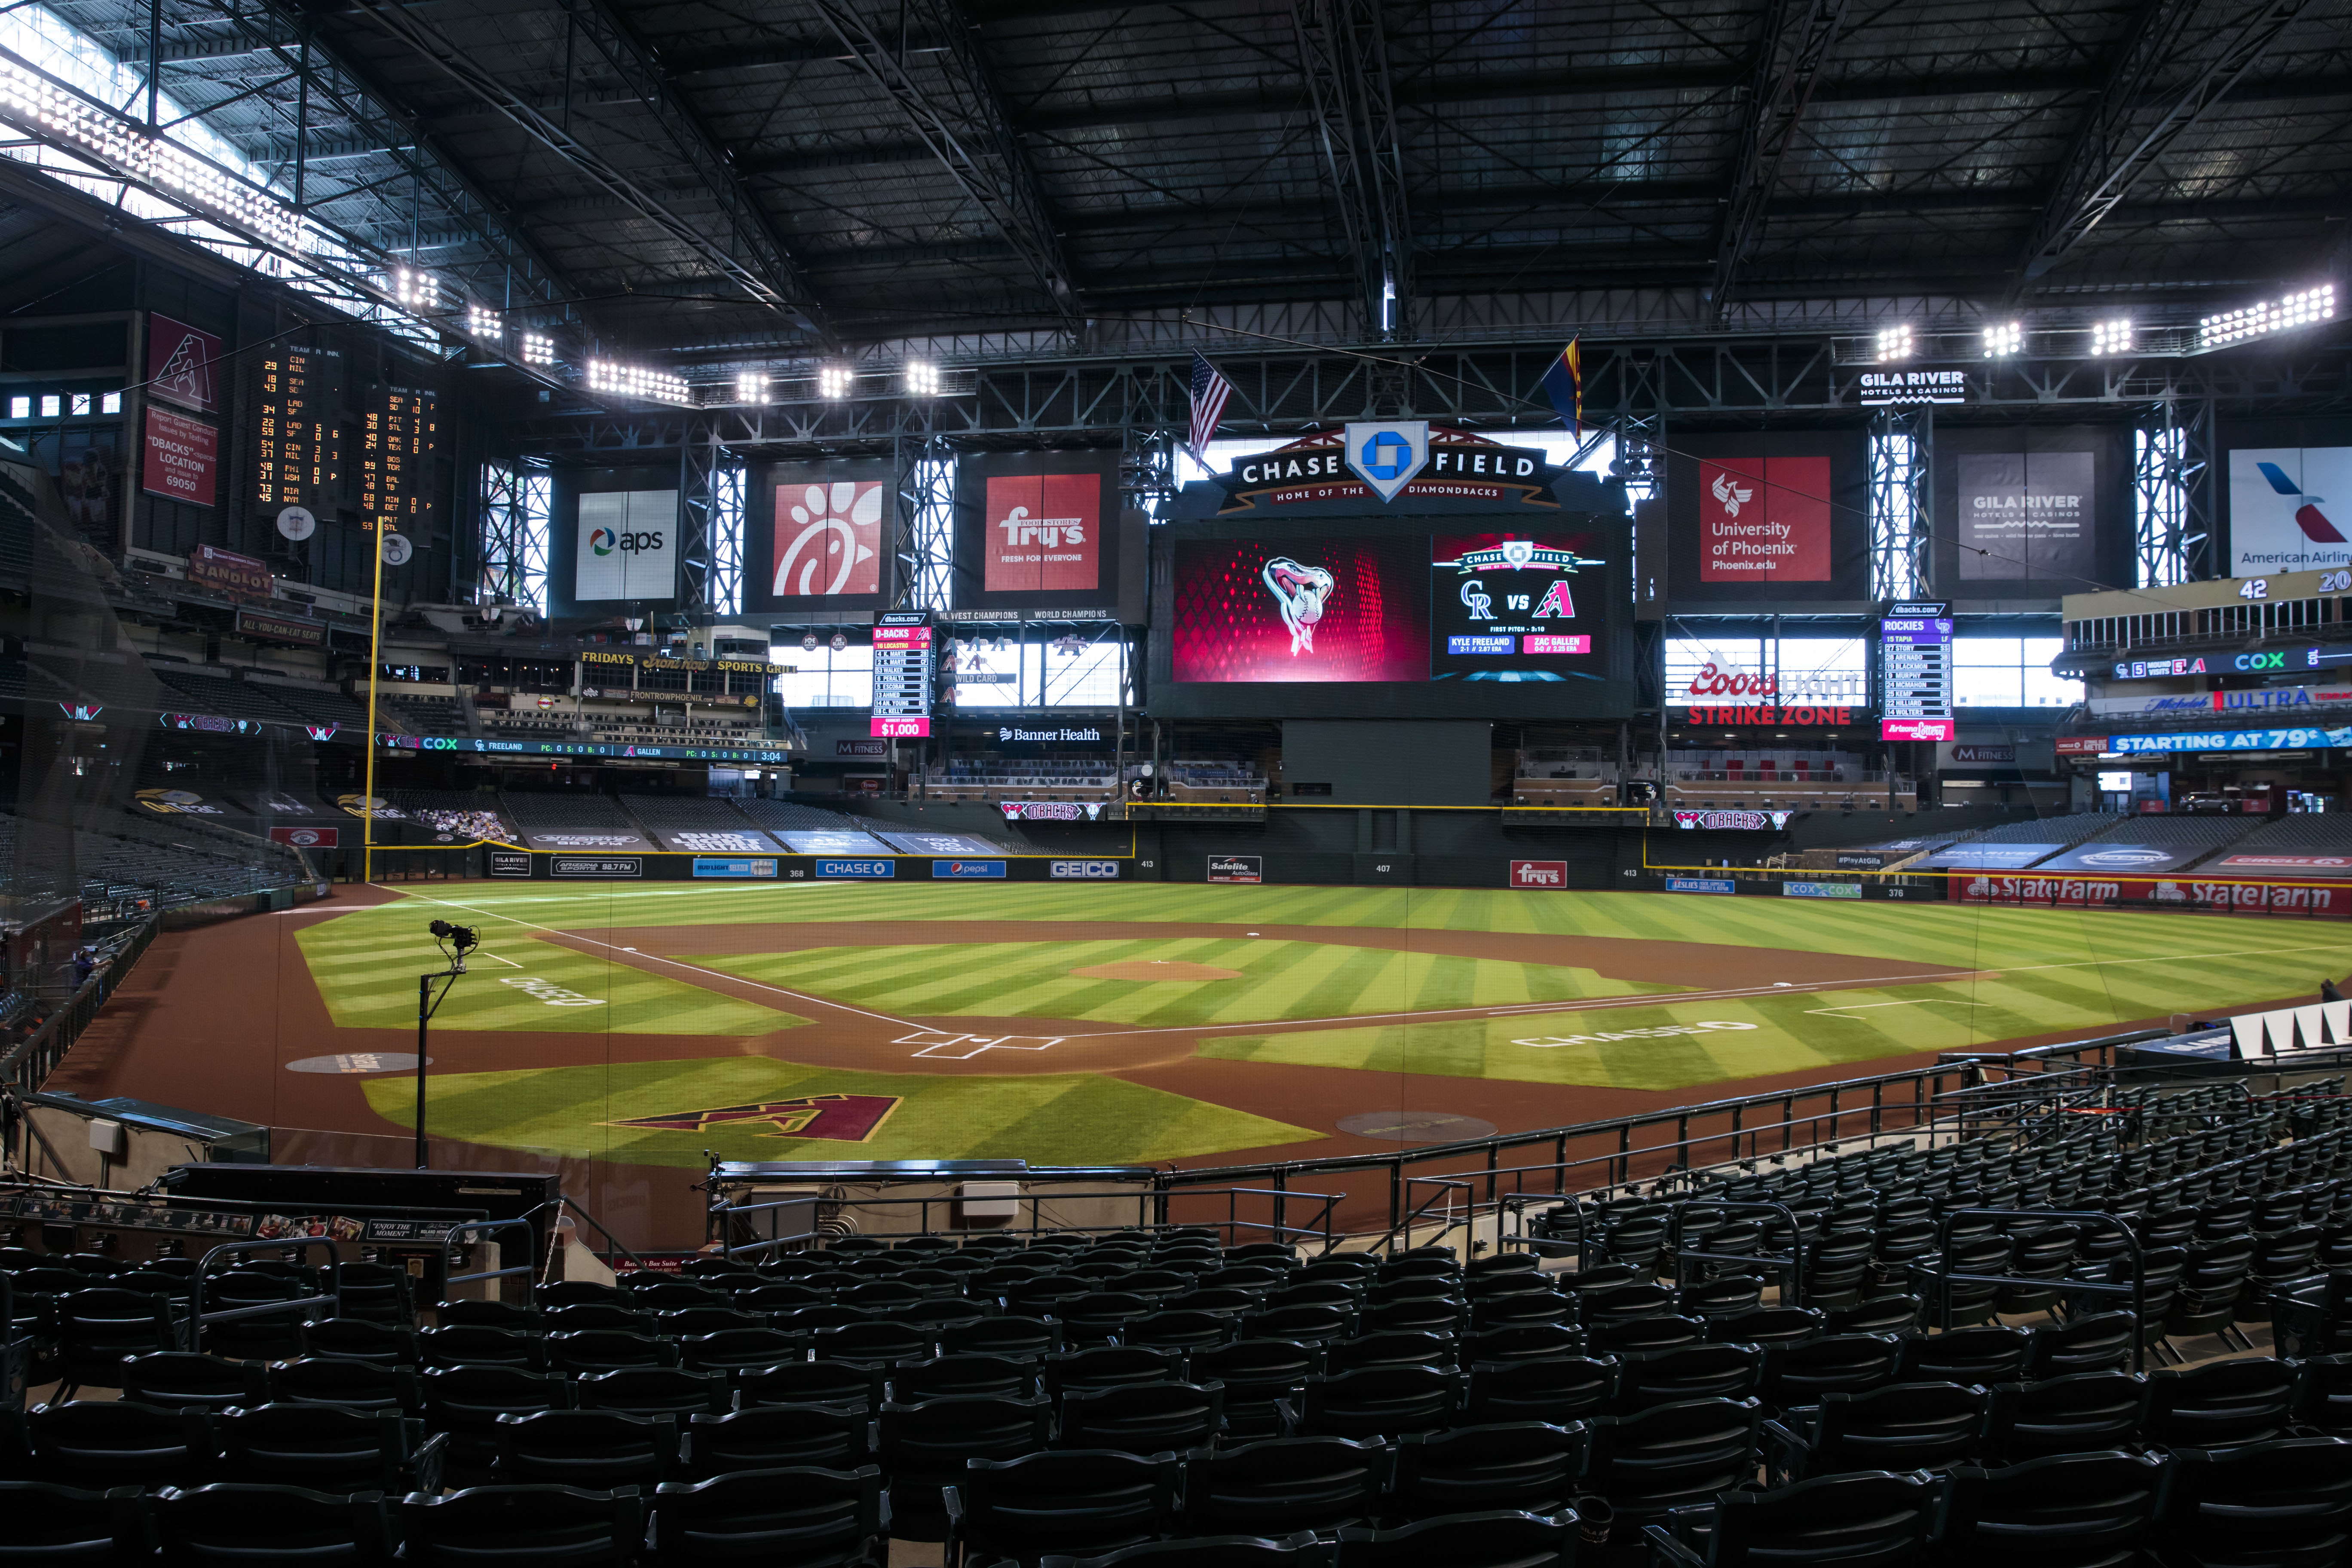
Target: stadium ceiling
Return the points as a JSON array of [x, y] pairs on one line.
[[776, 183]]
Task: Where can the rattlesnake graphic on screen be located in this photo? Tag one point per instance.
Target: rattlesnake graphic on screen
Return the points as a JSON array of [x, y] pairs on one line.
[[1299, 593]]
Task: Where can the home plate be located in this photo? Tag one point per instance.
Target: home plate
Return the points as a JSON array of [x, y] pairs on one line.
[[939, 1046]]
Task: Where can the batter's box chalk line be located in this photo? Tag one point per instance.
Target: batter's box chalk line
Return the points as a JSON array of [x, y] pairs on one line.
[[963, 1048]]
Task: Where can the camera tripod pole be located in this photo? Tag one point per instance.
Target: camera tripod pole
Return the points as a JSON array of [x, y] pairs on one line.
[[426, 1006]]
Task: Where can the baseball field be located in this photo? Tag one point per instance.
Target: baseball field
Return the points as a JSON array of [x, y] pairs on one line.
[[644, 1024]]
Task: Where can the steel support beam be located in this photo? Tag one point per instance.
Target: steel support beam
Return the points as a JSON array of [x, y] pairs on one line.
[[2120, 139], [763, 274], [1346, 65], [509, 268], [926, 523], [2173, 482], [1902, 521], [1797, 39], [700, 456], [750, 232], [950, 101]]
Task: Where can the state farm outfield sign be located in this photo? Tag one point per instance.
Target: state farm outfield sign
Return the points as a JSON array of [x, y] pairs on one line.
[[2241, 896]]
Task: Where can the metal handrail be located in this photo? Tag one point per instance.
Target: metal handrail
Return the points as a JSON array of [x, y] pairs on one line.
[[198, 1317], [2136, 1289], [474, 1229], [1792, 1289], [564, 1203], [1387, 1238], [1148, 1200]]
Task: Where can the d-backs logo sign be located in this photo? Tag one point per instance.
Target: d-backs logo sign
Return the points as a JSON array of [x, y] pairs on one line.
[[836, 1118], [1384, 460]]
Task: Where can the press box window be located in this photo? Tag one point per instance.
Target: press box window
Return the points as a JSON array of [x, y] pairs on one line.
[[111, 402], [20, 408], [50, 406]]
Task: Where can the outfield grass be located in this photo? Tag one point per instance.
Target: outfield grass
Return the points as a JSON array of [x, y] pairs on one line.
[[1813, 1029], [367, 969], [1278, 980], [1056, 1118], [1961, 935]]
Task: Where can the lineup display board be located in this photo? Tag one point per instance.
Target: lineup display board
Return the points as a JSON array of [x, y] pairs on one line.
[[818, 536], [902, 674], [612, 541], [399, 435], [1042, 530], [1765, 519], [1915, 672], [298, 399], [2032, 512]]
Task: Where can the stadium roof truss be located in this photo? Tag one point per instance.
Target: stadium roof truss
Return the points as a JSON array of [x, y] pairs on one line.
[[777, 185]]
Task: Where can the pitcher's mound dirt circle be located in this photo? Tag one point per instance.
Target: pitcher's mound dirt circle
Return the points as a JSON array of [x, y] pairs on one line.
[[1415, 1126], [1155, 969]]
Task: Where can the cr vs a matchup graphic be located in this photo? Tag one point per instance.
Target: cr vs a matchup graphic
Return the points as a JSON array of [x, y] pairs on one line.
[[836, 1118], [1504, 608]]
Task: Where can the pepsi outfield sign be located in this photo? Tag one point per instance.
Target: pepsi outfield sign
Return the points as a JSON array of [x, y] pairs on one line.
[[956, 871]]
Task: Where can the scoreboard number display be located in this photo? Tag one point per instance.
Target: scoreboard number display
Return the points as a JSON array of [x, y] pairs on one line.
[[902, 674]]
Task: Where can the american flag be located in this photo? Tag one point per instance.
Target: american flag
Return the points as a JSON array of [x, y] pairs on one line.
[[1210, 391]]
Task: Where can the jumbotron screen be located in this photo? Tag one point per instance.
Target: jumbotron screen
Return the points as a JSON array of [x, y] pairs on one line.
[[1478, 607]]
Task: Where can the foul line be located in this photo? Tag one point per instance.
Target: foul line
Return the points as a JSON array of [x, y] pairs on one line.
[[802, 996]]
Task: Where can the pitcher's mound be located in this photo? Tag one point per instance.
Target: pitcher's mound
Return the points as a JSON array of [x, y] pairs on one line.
[[1154, 969]]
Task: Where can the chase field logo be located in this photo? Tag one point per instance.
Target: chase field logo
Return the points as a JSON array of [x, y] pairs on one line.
[[1387, 455], [837, 1118]]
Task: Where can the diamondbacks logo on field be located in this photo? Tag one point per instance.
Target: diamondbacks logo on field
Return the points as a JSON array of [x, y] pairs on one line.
[[838, 1118]]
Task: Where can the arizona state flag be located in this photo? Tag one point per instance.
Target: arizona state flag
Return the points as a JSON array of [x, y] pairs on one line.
[[1564, 385]]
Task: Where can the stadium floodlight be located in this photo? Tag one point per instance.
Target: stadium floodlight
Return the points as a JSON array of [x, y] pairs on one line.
[[922, 378], [646, 385], [538, 348], [1895, 344], [2305, 309], [483, 323], [2005, 339], [417, 290], [2113, 337], [834, 380], [752, 386]]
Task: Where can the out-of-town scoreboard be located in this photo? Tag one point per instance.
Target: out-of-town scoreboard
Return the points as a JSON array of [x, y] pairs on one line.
[[298, 435], [399, 435]]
